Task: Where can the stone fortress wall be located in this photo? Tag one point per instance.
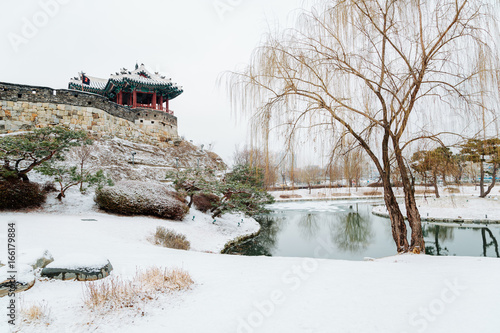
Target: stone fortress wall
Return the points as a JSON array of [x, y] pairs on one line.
[[26, 107]]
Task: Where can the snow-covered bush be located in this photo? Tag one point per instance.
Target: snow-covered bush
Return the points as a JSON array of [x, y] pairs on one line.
[[171, 239], [18, 194], [205, 202], [141, 198]]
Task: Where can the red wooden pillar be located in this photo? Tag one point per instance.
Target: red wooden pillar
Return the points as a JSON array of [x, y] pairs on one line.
[[167, 108], [161, 103], [153, 102], [120, 98], [134, 99]]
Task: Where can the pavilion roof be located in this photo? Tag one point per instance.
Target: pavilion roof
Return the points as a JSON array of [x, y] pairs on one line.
[[139, 79]]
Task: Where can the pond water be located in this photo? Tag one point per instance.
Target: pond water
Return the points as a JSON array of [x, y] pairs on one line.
[[348, 230]]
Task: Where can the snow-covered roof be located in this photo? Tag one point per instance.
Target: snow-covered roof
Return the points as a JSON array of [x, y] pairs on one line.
[[142, 75], [127, 80], [94, 82]]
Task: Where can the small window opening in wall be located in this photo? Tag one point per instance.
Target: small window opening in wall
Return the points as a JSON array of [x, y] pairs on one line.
[[152, 122], [155, 116], [75, 95], [138, 114], [33, 92], [89, 103], [19, 95], [142, 121]]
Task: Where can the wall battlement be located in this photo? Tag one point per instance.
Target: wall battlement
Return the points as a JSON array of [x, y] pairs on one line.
[[25, 107]]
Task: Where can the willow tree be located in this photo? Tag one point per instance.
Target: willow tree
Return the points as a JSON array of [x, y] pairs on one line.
[[372, 71]]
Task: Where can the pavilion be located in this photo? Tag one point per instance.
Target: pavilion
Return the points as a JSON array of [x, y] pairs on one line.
[[135, 89]]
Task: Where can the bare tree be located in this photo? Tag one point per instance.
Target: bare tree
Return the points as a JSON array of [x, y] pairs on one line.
[[370, 70], [310, 175], [259, 160]]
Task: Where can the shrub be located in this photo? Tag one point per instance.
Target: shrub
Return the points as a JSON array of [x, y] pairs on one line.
[[139, 198], [116, 293], [205, 202], [171, 239], [18, 195], [49, 187]]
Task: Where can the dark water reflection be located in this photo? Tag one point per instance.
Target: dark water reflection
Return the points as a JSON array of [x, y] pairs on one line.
[[348, 230]]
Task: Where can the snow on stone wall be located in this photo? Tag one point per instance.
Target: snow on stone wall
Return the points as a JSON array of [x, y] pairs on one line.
[[26, 107]]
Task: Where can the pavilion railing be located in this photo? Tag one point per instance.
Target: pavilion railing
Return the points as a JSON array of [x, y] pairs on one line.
[[149, 106]]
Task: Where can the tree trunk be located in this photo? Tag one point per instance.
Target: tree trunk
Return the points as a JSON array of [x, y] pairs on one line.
[[481, 180], [493, 181], [398, 225], [417, 244], [435, 183], [24, 177]]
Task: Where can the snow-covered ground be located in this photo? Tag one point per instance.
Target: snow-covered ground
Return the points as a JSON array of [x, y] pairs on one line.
[[468, 209], [341, 193], [408, 293]]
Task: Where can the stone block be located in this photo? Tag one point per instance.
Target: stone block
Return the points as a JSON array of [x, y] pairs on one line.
[[25, 279], [78, 266]]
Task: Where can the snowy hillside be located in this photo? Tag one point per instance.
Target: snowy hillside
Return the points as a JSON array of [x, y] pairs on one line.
[[149, 162]]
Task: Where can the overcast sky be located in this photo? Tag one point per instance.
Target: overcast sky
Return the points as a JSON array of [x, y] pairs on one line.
[[46, 42]]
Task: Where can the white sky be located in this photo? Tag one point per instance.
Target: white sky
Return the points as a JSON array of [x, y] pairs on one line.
[[190, 41]]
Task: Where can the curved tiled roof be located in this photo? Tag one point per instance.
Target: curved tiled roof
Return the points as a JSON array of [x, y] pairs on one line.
[[140, 79]]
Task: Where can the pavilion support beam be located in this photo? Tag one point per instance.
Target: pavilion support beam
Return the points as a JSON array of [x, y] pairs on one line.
[[161, 102], [134, 99], [153, 102], [167, 107]]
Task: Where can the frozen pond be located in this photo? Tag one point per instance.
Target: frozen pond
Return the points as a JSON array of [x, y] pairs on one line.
[[348, 230]]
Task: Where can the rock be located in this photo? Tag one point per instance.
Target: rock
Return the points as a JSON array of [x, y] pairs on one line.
[[25, 279], [36, 258], [79, 266]]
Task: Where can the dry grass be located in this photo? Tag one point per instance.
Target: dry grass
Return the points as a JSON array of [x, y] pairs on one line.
[[340, 194], [36, 313], [372, 193], [452, 190], [114, 292], [424, 191], [171, 239], [290, 196]]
